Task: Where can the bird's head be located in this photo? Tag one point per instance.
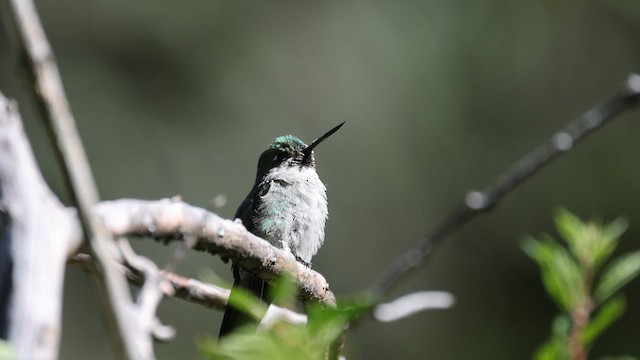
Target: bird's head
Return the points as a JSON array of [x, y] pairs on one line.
[[290, 151]]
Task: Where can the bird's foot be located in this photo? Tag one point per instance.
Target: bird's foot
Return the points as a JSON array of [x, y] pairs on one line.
[[307, 264]]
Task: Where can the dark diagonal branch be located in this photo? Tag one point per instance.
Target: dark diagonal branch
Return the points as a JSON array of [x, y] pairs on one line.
[[476, 202]]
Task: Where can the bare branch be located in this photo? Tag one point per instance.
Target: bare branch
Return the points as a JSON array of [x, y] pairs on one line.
[[195, 291], [191, 290], [50, 96], [42, 233], [476, 202], [151, 294], [171, 219]]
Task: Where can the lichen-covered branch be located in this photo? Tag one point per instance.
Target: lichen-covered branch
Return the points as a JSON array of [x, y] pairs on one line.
[[173, 219], [40, 233], [39, 61]]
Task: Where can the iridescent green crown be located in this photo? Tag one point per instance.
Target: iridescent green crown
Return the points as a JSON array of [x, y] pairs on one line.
[[287, 142]]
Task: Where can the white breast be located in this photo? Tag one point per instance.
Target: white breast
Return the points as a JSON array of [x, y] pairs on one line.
[[295, 210]]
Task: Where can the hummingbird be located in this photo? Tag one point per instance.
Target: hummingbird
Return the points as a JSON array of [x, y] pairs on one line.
[[286, 206]]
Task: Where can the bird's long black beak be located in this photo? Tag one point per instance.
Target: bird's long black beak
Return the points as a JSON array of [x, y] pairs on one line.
[[309, 149]]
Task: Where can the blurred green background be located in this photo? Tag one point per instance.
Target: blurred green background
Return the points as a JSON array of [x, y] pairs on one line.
[[439, 96]]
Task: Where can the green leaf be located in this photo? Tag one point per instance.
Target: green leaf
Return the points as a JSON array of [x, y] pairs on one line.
[[570, 228], [609, 239], [556, 348], [551, 350], [284, 341], [561, 274], [245, 301], [616, 228], [284, 290], [578, 235], [329, 323], [617, 274], [609, 312], [289, 341], [591, 242]]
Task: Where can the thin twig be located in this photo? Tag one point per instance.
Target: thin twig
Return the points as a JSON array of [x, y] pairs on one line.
[[476, 202], [194, 291], [50, 96], [180, 252], [151, 293], [191, 290]]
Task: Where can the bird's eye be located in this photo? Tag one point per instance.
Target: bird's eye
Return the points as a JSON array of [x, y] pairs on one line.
[[279, 157]]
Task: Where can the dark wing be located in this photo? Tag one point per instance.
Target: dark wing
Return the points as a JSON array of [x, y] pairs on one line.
[[233, 317], [247, 210]]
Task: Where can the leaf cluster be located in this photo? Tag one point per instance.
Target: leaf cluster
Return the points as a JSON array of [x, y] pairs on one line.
[[582, 279], [285, 340]]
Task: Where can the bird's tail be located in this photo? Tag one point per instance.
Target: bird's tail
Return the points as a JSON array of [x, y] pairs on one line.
[[235, 318]]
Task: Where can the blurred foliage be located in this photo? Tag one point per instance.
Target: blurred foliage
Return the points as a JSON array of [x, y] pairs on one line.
[[439, 96], [283, 340], [6, 352], [572, 278]]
